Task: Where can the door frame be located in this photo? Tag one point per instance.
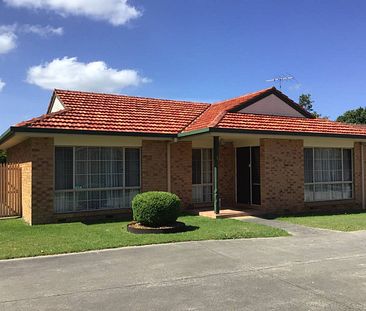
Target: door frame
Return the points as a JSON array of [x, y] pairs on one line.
[[236, 174]]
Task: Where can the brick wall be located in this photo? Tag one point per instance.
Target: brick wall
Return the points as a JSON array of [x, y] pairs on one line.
[[154, 168], [227, 175], [154, 165], [35, 156], [181, 171], [282, 175], [42, 180], [357, 174]]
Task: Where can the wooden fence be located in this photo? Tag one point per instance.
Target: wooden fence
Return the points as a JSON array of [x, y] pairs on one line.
[[10, 190]]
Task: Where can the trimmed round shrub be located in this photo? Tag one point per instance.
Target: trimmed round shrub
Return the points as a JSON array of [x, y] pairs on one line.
[[156, 208]]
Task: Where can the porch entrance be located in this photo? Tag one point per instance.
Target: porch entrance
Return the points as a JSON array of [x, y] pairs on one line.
[[248, 175]]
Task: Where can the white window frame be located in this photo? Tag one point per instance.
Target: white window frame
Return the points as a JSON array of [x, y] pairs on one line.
[[201, 185], [75, 190], [343, 182]]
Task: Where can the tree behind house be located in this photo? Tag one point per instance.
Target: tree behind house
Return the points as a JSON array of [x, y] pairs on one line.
[[306, 102], [357, 116]]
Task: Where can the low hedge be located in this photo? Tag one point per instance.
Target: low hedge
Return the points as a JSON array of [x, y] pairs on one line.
[[156, 208]]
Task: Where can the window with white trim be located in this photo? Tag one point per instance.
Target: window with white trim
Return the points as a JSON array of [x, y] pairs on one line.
[[328, 174], [202, 175], [95, 178]]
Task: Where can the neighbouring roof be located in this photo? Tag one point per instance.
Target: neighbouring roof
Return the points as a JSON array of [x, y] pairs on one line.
[[86, 112]]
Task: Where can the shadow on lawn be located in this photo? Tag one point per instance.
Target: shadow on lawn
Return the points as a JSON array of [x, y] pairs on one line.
[[190, 228], [98, 221]]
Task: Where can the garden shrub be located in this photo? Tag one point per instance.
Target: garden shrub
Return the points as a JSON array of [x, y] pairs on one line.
[[156, 208]]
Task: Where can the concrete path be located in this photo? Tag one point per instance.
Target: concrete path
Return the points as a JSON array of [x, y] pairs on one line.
[[294, 229], [302, 272]]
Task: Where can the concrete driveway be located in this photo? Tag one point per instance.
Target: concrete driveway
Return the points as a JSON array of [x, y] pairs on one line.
[[322, 271]]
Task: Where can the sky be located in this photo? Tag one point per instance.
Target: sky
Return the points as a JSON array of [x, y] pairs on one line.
[[198, 50]]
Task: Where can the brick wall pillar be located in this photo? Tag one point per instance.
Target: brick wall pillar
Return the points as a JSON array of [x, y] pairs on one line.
[[154, 165], [282, 174], [42, 180], [227, 175], [357, 174], [181, 171], [36, 158]]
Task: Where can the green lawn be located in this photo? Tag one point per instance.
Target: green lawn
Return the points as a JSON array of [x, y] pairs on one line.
[[344, 222], [20, 240]]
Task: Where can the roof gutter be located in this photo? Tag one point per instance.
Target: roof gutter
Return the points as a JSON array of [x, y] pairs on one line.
[[267, 132], [195, 132], [15, 129], [6, 135]]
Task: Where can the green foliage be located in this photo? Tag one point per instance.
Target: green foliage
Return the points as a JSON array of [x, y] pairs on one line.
[[306, 102], [357, 116], [2, 156], [155, 208]]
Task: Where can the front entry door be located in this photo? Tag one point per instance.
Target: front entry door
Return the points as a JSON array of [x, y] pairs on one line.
[[248, 175]]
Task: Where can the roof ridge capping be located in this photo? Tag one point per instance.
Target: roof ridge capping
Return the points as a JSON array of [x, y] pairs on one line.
[[58, 91], [243, 95]]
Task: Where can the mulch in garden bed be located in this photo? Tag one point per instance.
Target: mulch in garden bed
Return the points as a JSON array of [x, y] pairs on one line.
[[137, 228]]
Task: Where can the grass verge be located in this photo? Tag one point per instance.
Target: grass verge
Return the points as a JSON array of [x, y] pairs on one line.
[[20, 240], [343, 222]]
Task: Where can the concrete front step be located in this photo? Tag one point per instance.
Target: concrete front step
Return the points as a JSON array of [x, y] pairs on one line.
[[226, 213]]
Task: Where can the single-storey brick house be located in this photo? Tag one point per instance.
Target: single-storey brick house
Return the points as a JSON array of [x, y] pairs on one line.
[[91, 153]]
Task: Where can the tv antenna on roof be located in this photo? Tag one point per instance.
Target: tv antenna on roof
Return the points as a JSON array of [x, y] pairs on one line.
[[281, 79]]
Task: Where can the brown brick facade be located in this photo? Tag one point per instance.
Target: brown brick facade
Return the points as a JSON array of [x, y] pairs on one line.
[[282, 174], [154, 168], [227, 175], [357, 174], [154, 165], [36, 158], [281, 188], [181, 171]]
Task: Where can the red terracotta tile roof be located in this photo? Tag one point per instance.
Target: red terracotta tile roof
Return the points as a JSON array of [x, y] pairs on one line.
[[216, 111], [118, 113], [255, 122]]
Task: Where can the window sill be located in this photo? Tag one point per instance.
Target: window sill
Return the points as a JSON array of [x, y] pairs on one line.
[[95, 211], [330, 202]]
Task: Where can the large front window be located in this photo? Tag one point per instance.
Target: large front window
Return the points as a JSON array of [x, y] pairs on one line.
[[93, 178], [328, 174], [201, 175]]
